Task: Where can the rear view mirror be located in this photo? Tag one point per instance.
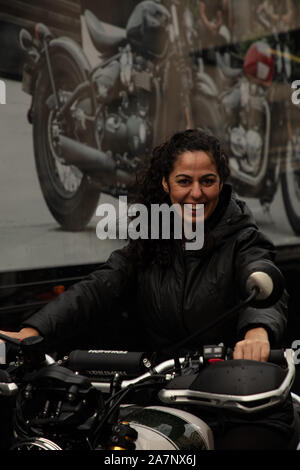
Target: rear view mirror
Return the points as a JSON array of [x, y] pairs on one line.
[[264, 277]]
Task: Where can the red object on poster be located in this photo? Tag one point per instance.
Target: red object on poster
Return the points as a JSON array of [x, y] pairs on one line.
[[259, 63]]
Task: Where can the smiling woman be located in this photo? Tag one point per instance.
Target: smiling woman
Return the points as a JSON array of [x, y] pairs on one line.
[[194, 180], [189, 169]]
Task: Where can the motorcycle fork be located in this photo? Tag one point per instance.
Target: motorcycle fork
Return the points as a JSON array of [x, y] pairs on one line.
[[76, 93], [50, 72]]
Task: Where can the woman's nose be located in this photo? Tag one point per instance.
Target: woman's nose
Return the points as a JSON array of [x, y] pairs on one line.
[[196, 191]]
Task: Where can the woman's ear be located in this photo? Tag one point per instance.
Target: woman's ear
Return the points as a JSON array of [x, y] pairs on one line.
[[165, 185]]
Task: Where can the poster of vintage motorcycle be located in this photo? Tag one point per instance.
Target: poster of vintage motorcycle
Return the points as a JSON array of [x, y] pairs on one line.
[[92, 86]]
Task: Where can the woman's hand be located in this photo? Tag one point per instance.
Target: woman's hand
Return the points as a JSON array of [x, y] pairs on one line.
[[23, 333], [254, 346]]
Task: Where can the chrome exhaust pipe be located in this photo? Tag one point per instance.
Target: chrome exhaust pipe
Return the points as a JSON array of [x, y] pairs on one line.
[[93, 162]]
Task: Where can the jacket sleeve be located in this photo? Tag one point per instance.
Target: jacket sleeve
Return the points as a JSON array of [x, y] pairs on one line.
[[87, 304], [252, 246]]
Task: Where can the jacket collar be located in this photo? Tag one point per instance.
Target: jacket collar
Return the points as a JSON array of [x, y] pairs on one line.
[[231, 215]]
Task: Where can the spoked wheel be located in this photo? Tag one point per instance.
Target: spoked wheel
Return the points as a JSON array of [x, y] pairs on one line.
[[66, 190], [290, 180], [35, 444]]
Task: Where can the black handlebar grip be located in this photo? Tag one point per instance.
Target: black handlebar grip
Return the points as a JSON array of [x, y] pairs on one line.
[[276, 356], [104, 362]]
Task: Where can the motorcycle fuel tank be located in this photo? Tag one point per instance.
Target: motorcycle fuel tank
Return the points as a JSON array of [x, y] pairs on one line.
[[167, 428], [147, 27]]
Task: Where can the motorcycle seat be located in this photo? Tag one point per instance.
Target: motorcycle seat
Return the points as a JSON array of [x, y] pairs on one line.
[[104, 36]]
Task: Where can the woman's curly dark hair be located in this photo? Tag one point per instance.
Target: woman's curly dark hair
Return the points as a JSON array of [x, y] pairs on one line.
[[148, 189]]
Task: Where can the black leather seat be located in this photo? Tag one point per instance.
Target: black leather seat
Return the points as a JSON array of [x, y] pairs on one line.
[[105, 37]]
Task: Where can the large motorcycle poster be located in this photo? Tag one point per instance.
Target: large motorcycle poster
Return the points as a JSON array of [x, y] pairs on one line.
[[89, 87]]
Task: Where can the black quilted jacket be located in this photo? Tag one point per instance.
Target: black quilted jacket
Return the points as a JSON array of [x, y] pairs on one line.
[[165, 306]]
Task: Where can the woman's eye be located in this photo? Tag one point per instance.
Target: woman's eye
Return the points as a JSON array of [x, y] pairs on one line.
[[183, 181], [208, 182]]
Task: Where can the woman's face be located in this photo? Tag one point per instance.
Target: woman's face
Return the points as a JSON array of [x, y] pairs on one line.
[[194, 180]]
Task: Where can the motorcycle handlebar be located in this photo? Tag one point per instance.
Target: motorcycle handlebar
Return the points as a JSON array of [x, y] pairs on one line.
[[131, 363], [134, 364], [276, 355]]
